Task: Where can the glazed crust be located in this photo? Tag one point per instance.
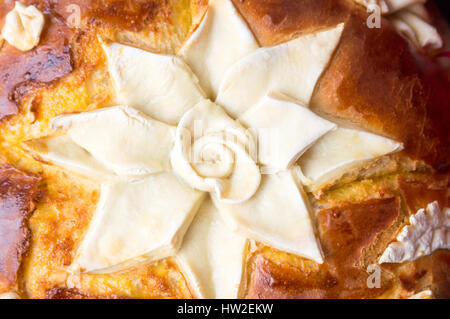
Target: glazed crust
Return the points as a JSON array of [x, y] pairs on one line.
[[345, 231], [17, 194], [376, 81], [354, 233]]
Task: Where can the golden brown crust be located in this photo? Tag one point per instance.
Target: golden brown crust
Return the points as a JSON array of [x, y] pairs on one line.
[[17, 193], [56, 55], [64, 211], [71, 293], [353, 235], [275, 21], [441, 278], [65, 293], [345, 232], [375, 81], [21, 72], [430, 271], [419, 193]]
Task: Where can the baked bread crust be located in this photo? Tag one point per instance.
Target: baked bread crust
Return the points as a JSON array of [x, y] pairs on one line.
[[17, 194], [376, 82]]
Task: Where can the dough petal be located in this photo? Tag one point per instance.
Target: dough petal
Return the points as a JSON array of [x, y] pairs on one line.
[[291, 68], [137, 221], [277, 215], [221, 39], [124, 140], [340, 150], [212, 256], [285, 129], [162, 86], [62, 151]]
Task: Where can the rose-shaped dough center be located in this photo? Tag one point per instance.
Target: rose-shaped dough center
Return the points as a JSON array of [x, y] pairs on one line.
[[212, 153], [212, 157]]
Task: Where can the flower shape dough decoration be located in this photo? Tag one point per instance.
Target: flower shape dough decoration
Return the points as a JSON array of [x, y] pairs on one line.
[[159, 153]]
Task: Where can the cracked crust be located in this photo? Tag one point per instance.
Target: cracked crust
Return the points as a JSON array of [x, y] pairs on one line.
[[375, 81]]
